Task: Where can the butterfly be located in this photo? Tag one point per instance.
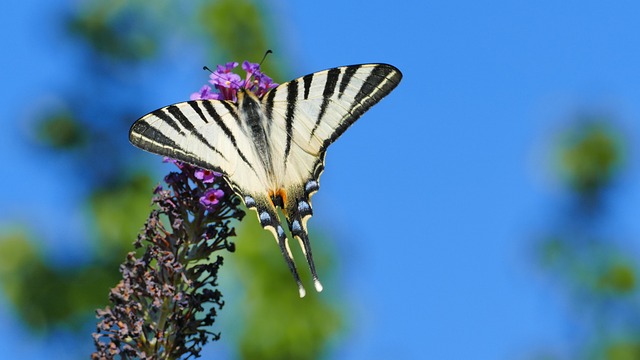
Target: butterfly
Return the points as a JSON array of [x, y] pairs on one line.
[[270, 149]]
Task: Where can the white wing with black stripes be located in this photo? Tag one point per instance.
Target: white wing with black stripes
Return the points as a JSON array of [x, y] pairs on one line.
[[271, 150]]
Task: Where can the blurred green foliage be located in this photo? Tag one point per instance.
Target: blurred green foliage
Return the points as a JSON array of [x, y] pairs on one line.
[[119, 213], [48, 295], [118, 203], [238, 28], [114, 37], [596, 266], [596, 271], [590, 157], [60, 130], [623, 350], [117, 30], [619, 277]]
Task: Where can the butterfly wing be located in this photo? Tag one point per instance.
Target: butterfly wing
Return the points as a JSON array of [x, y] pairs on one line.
[[307, 115], [205, 133]]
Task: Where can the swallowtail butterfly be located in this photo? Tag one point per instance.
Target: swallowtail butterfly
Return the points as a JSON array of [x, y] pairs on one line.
[[271, 150]]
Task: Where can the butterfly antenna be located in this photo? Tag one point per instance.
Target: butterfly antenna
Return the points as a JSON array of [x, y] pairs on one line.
[[265, 56], [206, 68]]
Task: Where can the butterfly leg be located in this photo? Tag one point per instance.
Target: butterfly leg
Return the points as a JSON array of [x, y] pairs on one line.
[[269, 220], [297, 215]]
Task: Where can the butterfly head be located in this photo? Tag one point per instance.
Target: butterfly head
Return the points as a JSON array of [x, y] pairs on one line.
[[230, 84]]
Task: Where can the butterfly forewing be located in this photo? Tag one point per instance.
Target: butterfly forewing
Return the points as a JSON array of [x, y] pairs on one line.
[[325, 105], [205, 133]]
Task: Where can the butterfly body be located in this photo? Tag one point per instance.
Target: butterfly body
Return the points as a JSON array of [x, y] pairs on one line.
[[271, 149]]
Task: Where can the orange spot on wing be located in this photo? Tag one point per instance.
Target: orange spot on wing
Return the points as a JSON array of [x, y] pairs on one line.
[[283, 195], [278, 198]]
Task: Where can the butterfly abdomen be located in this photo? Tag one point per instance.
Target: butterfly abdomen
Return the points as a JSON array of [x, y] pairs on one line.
[[254, 121]]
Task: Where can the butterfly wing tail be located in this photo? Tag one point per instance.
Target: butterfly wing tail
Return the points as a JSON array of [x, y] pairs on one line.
[[298, 211], [268, 217], [303, 238]]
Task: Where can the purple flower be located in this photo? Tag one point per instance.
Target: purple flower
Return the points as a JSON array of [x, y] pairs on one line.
[[225, 80], [226, 68], [261, 83], [227, 83], [206, 176], [211, 198], [250, 68], [264, 82], [205, 93]]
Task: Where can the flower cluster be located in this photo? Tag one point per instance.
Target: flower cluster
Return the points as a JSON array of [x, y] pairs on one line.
[[167, 298], [227, 82], [208, 197]]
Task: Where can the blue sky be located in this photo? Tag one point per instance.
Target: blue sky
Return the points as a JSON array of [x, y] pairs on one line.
[[436, 195]]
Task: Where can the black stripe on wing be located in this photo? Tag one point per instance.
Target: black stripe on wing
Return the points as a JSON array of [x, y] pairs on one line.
[[194, 105], [307, 80], [218, 120], [161, 114], [346, 78], [178, 114], [379, 83], [329, 89], [292, 97], [148, 138], [232, 110], [268, 105]]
